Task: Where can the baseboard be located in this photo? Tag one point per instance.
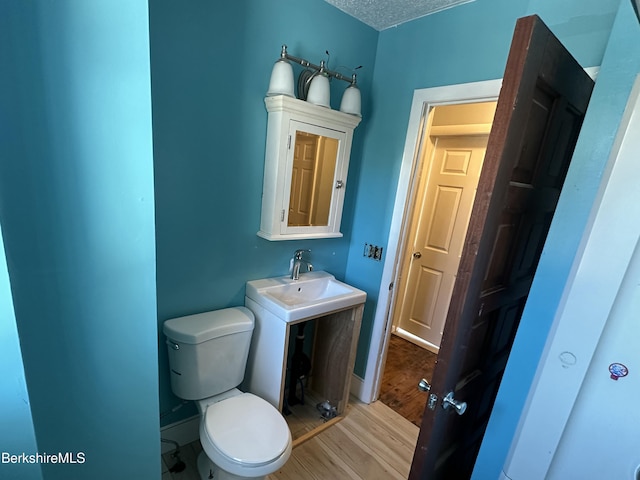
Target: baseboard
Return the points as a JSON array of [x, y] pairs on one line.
[[357, 389], [410, 337], [184, 432]]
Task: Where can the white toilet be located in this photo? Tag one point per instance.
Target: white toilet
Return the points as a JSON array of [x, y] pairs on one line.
[[242, 435]]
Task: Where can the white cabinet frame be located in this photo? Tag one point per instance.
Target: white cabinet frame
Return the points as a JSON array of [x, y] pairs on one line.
[[286, 115]]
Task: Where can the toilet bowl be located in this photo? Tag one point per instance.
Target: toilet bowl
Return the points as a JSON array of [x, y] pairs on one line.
[[242, 436]]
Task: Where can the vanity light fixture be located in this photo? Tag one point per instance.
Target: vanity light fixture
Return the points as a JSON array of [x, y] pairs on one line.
[[351, 99], [281, 82], [319, 91], [314, 81]]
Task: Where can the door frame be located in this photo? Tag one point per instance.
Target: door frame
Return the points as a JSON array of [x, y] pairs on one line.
[[423, 101]]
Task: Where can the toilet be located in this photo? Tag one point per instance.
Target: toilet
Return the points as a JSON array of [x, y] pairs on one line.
[[242, 435]]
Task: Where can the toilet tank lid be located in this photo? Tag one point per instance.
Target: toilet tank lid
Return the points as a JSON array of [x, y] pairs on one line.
[[204, 326]]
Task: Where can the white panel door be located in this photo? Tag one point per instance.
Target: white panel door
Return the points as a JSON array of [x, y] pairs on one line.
[[437, 234]]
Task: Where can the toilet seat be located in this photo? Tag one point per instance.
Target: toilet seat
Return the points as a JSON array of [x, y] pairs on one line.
[[244, 432]]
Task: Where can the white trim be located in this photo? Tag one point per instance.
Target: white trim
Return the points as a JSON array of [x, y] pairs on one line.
[[357, 387], [410, 337], [184, 432], [581, 309], [592, 72], [423, 100]]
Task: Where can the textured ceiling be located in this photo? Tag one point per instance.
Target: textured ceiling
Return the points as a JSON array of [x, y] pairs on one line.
[[382, 14]]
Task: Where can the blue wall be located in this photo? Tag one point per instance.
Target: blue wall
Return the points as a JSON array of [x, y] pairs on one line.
[[16, 424], [77, 213], [210, 65], [77, 193], [209, 130]]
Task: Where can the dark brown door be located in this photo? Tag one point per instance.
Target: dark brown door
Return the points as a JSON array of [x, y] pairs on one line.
[[539, 114]]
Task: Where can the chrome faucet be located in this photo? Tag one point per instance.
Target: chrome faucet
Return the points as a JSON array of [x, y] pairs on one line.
[[298, 261]]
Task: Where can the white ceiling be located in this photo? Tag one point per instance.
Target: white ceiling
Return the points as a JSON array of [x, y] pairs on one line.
[[382, 14]]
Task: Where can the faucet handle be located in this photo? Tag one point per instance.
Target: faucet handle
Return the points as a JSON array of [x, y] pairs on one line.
[[298, 253]]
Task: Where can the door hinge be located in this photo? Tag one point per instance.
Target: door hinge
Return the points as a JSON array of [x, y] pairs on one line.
[[289, 143], [282, 215]]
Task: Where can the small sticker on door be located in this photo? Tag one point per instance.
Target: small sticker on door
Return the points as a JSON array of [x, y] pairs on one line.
[[618, 370]]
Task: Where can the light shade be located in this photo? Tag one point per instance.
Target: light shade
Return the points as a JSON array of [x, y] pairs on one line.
[[319, 91], [351, 100], [281, 82]]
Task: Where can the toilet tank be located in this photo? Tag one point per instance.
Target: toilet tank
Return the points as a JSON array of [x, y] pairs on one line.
[[208, 351]]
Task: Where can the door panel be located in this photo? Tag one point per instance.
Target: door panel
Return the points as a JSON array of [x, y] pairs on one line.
[[540, 110]]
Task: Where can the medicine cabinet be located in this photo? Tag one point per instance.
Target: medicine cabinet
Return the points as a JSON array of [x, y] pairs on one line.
[[305, 172]]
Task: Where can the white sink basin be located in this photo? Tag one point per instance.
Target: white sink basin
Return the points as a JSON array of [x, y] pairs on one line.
[[313, 294]]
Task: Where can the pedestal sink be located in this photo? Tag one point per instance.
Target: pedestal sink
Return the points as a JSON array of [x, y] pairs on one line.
[[312, 295]]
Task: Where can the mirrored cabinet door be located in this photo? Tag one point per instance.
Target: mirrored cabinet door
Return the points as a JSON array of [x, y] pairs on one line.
[[315, 164]]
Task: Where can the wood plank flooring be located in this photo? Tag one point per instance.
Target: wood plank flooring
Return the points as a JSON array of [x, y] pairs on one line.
[[406, 364], [372, 442]]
